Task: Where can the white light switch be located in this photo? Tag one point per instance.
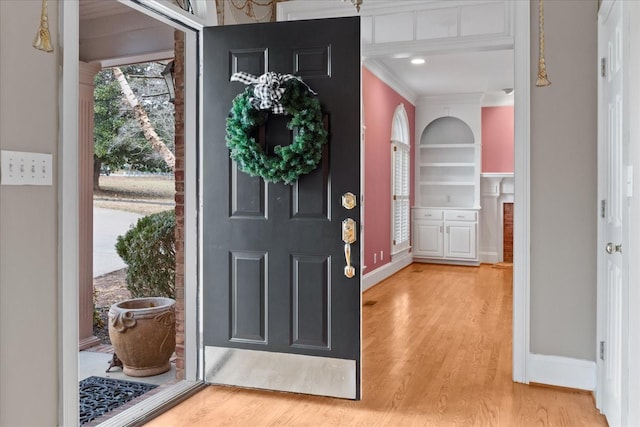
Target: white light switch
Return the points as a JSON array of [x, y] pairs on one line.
[[20, 168]]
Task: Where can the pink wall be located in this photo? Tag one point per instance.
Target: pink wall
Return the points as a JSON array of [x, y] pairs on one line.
[[380, 103], [497, 139]]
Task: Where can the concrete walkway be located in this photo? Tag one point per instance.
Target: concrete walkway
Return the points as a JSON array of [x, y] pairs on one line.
[[108, 224]]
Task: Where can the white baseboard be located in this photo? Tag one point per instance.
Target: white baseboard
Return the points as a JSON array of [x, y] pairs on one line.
[[488, 257], [561, 371], [378, 275]]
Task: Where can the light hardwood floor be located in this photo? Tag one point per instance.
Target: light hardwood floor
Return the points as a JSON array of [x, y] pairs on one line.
[[436, 352]]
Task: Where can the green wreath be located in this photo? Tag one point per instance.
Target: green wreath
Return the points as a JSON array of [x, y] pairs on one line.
[[289, 162]]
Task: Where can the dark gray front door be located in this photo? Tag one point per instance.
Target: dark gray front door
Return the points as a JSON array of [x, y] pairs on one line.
[[278, 311]]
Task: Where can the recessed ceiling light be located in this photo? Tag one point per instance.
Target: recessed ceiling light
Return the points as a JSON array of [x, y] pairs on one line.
[[418, 61], [401, 55]]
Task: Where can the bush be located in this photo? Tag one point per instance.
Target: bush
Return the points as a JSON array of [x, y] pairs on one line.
[[148, 249]]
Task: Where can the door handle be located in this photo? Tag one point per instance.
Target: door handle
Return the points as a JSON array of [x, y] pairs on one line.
[[348, 237], [611, 248], [349, 270]]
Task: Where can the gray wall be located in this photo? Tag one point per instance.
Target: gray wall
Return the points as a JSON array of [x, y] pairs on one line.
[[564, 182], [28, 223], [563, 154]]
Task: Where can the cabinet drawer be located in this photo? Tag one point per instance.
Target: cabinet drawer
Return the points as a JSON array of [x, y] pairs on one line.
[[428, 214], [461, 215]]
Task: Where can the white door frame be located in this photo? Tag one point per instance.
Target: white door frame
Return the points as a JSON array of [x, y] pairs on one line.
[[68, 215], [308, 9], [68, 200], [522, 191]]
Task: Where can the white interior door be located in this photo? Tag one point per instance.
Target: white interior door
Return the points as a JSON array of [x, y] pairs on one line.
[[612, 266]]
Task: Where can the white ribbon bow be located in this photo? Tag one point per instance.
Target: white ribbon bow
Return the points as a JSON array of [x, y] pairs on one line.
[[268, 89]]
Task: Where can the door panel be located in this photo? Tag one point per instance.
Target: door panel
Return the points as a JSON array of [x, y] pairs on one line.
[[613, 225], [279, 312]]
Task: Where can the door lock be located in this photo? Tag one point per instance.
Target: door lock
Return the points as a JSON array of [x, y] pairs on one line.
[[349, 231]]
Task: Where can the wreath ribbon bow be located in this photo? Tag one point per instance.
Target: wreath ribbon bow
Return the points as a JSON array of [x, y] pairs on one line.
[[268, 89]]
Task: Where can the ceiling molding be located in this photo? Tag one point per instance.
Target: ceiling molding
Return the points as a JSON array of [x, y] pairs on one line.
[[456, 98], [383, 73], [441, 46]]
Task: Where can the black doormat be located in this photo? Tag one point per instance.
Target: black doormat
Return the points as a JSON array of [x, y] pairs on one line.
[[101, 395]]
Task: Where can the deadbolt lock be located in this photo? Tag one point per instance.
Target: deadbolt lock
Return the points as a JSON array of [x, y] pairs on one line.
[[349, 200]]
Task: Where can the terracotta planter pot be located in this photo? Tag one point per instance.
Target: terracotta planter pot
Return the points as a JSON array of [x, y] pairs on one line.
[[143, 334]]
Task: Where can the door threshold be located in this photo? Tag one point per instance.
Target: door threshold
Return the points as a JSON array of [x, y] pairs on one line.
[[155, 405]]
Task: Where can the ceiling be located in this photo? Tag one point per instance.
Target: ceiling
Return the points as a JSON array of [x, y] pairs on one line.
[[487, 72], [114, 34]]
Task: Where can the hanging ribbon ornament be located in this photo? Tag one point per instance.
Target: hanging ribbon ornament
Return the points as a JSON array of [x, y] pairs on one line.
[[273, 93], [43, 37], [542, 80]]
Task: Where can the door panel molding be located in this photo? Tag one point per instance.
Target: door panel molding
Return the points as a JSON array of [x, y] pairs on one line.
[[311, 277], [249, 284]]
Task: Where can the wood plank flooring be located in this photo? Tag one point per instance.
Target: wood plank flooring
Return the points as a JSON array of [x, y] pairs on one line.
[[436, 352]]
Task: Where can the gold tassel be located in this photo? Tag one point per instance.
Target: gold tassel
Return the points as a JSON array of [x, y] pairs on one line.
[[542, 80], [43, 37]]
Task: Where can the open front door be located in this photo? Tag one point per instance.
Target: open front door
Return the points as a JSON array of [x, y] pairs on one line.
[[279, 312]]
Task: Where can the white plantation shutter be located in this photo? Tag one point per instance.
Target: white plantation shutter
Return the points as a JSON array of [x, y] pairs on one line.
[[400, 211]]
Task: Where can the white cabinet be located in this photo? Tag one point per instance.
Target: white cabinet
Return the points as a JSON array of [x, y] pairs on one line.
[[461, 240], [447, 165], [443, 235], [428, 238]]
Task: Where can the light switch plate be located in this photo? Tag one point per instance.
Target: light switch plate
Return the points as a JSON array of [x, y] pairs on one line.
[[21, 168]]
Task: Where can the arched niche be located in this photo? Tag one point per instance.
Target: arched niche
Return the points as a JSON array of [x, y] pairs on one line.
[[447, 130]]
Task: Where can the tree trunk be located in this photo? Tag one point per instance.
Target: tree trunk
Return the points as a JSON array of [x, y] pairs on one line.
[[97, 164], [143, 119]]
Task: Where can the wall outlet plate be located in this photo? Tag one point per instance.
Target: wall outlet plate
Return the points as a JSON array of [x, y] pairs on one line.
[[21, 168]]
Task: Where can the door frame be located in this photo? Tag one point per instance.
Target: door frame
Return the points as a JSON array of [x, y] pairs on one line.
[[68, 197], [298, 9], [522, 190], [68, 215]]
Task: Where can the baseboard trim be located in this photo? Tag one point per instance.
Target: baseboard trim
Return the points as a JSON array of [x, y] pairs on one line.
[[369, 280], [488, 257], [561, 371]]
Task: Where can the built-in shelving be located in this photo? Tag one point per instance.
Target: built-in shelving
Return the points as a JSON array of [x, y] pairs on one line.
[[447, 164]]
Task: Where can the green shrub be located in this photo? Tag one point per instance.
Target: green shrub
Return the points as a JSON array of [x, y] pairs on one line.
[[148, 249]]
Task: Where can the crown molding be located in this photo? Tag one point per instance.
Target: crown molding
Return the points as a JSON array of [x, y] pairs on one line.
[[382, 72]]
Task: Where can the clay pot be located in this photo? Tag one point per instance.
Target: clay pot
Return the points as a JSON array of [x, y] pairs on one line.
[[143, 334]]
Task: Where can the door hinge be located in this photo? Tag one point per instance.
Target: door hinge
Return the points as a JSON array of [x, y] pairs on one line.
[[603, 67], [395, 148], [394, 197], [601, 350], [603, 208]]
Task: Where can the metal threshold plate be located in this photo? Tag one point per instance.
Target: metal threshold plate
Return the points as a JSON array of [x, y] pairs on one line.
[[295, 373]]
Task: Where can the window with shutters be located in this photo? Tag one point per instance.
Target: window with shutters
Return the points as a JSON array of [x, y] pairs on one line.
[[400, 169]]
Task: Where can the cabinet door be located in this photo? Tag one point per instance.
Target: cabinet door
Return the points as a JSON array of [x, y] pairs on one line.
[[428, 238], [461, 240]]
